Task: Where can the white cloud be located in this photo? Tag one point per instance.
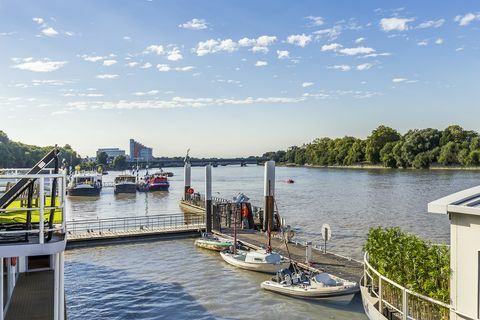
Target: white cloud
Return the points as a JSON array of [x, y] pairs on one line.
[[127, 38], [108, 63], [467, 18], [459, 49], [132, 64], [146, 65], [44, 65], [341, 67], [163, 67], [227, 45], [300, 40], [439, 41], [373, 55], [315, 21], [38, 20], [213, 46], [283, 54], [107, 76], [50, 32], [194, 24], [357, 50], [399, 80], [364, 66], [398, 24], [260, 44], [174, 102], [422, 43], [91, 58], [147, 93], [174, 55], [431, 24], [358, 40], [158, 49], [331, 47], [307, 84], [261, 63], [187, 68], [331, 33]]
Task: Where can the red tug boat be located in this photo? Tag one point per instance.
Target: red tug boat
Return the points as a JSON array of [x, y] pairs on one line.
[[155, 182]]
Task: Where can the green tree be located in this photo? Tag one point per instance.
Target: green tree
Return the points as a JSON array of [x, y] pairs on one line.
[[449, 153], [387, 156], [120, 163], [419, 141], [300, 156], [102, 158], [341, 149], [356, 153], [377, 140]]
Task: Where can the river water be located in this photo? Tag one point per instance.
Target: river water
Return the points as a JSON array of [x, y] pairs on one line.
[[175, 280]]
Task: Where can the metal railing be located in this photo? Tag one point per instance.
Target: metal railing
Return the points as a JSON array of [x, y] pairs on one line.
[[400, 301], [20, 218], [126, 224]]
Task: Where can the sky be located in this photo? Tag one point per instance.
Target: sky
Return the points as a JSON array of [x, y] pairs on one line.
[[233, 78]]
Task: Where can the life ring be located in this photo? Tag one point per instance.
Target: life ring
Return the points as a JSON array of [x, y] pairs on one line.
[[190, 191], [13, 261], [245, 212]]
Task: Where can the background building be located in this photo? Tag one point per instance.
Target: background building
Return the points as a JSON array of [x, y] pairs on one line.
[[111, 152], [139, 151]]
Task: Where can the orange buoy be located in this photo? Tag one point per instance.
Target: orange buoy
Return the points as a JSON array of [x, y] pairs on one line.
[[245, 212], [190, 191]]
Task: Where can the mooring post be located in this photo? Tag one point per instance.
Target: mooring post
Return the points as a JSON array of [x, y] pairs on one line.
[[208, 197], [269, 193], [187, 178]]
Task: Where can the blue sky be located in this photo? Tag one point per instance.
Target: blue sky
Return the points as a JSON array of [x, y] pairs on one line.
[[233, 78]]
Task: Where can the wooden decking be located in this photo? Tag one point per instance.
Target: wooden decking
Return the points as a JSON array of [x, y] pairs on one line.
[[342, 267], [32, 298]]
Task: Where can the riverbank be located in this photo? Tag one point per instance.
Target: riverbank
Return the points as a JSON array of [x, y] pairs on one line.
[[379, 167]]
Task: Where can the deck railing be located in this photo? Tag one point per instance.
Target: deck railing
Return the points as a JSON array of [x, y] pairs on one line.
[[401, 302], [19, 220], [125, 224]]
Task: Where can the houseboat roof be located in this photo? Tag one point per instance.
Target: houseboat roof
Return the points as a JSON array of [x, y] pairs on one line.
[[465, 201]]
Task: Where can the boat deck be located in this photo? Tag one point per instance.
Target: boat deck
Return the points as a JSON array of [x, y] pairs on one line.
[[339, 266], [32, 298]]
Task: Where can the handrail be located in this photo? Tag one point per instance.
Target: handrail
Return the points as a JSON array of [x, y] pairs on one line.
[[43, 208], [405, 292]]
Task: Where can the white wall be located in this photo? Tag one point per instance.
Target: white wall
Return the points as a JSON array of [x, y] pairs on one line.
[[465, 246]]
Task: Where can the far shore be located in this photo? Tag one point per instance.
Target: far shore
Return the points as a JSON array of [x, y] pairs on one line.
[[379, 167]]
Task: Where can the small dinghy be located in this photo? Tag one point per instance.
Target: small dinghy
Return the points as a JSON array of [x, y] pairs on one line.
[[320, 286], [211, 242], [258, 260]]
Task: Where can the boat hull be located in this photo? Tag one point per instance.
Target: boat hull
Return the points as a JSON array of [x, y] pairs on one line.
[[258, 267], [328, 293], [83, 192], [212, 244], [125, 188], [368, 303], [158, 187], [191, 208]]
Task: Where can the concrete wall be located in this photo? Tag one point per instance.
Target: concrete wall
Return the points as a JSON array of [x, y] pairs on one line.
[[465, 246]]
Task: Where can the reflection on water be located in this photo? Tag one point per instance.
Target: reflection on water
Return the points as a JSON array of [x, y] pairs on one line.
[[142, 281], [176, 280]]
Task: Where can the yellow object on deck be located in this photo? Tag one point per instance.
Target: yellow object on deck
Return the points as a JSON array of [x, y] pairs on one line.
[[13, 214]]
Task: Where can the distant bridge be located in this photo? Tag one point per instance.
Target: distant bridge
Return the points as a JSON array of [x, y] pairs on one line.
[[159, 162]]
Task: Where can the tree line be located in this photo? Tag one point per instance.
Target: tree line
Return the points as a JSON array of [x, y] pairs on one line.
[[418, 148], [19, 155]]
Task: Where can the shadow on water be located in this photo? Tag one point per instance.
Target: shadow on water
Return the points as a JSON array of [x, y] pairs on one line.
[[98, 292]]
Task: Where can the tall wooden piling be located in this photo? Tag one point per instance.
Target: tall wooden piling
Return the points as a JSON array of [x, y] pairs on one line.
[[187, 178], [269, 194], [208, 197]]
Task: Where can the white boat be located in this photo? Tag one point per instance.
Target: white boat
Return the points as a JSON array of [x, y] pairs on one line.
[[258, 260], [320, 286], [211, 242], [125, 183], [85, 184]]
